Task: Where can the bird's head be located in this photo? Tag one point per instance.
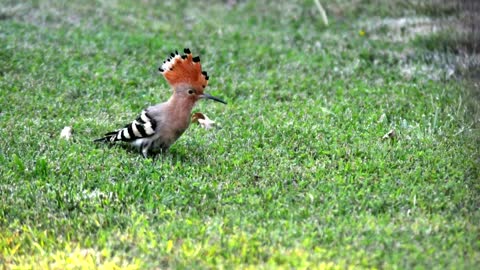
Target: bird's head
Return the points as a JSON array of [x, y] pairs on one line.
[[184, 73]]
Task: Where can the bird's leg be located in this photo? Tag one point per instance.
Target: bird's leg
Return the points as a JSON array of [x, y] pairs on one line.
[[155, 158], [160, 154], [145, 147]]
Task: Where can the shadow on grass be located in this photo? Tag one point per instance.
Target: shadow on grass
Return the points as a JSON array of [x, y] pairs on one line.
[[458, 38], [186, 154]]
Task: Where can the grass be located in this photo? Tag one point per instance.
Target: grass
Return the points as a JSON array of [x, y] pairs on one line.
[[297, 177]]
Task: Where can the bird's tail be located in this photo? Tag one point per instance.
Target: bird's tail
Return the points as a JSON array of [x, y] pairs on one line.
[[108, 137]]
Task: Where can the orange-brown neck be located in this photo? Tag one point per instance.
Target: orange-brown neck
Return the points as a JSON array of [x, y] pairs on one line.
[[182, 103], [180, 108]]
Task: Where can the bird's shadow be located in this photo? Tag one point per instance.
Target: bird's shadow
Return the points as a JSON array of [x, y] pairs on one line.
[[173, 154]]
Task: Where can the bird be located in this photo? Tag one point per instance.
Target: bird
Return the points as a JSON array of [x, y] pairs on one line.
[[159, 126]]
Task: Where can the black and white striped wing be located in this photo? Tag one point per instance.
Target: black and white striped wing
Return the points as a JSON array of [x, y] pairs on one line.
[[143, 127]]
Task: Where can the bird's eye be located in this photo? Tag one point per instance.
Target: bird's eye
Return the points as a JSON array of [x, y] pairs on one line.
[[191, 91]]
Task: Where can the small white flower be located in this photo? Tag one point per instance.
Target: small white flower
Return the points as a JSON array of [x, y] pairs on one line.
[[66, 133]]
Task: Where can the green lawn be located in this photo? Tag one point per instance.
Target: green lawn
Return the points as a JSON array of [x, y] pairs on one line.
[[298, 175]]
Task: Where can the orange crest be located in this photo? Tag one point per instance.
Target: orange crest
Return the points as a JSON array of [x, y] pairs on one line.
[[184, 69]]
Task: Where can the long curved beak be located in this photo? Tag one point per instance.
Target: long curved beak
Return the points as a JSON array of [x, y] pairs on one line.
[[208, 96]]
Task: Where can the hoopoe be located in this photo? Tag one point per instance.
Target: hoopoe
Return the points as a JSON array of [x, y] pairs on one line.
[[159, 126]]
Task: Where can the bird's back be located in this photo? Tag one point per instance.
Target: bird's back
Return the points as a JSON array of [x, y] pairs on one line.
[[171, 123]]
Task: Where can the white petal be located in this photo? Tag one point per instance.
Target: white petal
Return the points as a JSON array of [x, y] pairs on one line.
[[66, 133]]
